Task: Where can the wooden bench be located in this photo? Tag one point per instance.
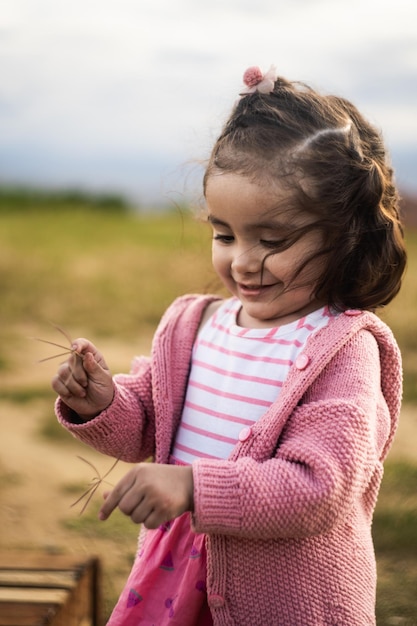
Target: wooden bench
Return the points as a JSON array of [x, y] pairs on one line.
[[44, 590]]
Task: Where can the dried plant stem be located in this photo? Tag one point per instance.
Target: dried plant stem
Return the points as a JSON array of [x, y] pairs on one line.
[[68, 349], [94, 484], [97, 479]]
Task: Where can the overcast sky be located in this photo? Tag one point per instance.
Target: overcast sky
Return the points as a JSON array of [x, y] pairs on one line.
[[127, 95]]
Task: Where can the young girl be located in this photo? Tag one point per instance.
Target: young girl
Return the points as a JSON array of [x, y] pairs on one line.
[[268, 415]]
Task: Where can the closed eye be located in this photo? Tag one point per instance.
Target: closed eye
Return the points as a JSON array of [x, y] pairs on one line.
[[273, 244], [224, 238]]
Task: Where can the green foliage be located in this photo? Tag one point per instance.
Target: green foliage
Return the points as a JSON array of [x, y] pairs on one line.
[[395, 521], [32, 199]]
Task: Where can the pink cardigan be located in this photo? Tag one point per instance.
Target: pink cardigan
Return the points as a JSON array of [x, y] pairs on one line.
[[288, 515]]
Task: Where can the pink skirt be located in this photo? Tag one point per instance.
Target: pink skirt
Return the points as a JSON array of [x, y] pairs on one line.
[[167, 584]]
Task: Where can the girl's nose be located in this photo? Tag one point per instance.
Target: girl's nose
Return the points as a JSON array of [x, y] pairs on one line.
[[246, 261]]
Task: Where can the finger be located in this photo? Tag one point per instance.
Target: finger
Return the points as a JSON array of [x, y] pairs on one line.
[[114, 498], [153, 520], [105, 512], [66, 387], [100, 382], [83, 346], [77, 370], [91, 366], [135, 505], [74, 378]]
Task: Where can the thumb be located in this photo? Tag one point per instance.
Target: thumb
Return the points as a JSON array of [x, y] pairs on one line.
[[93, 367], [82, 347]]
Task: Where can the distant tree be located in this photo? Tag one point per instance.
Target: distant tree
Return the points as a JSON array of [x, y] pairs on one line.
[[27, 198]]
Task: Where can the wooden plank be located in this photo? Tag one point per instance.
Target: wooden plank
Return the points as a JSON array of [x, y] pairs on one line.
[[37, 578], [54, 590], [12, 614], [82, 603], [30, 594], [27, 560]]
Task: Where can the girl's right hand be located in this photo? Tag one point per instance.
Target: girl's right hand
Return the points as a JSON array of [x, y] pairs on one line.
[[84, 382]]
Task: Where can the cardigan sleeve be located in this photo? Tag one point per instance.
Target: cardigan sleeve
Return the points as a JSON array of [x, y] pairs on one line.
[[152, 393], [126, 429], [326, 466]]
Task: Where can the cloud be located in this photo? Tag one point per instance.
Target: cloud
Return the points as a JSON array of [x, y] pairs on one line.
[[103, 84]]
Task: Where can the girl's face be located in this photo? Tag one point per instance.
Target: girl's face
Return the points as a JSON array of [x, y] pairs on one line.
[[249, 223]]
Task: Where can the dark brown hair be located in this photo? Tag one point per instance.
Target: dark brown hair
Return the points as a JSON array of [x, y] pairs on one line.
[[334, 163]]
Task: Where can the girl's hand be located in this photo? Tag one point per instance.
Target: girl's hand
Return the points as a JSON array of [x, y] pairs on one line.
[[152, 494], [84, 382]]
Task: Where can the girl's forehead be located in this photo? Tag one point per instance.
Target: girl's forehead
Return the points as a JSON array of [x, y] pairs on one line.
[[238, 198], [228, 183]]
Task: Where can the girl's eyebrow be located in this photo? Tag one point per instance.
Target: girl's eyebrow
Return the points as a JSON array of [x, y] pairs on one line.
[[267, 225], [215, 220]]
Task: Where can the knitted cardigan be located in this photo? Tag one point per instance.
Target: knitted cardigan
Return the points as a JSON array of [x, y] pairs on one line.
[[288, 516]]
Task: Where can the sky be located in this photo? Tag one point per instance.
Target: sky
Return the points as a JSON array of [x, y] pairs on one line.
[[128, 96]]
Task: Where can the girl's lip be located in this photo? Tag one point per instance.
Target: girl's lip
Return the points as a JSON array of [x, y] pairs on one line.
[[253, 289]]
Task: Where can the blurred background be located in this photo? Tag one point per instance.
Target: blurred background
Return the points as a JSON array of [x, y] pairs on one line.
[[127, 96], [107, 111]]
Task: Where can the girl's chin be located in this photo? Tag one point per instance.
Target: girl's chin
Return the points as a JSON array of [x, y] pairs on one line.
[[256, 316]]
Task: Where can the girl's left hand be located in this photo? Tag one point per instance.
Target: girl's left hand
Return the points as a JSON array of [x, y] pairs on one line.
[[152, 494]]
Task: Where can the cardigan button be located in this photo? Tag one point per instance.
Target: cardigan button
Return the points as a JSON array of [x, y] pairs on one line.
[[353, 312], [215, 601], [245, 433], [302, 361]]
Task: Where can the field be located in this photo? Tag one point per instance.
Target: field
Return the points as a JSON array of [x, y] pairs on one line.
[[108, 274]]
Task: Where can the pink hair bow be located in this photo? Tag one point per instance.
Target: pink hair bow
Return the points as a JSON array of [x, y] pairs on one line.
[[255, 80]]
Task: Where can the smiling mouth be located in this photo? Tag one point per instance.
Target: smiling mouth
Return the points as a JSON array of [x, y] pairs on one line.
[[254, 289]]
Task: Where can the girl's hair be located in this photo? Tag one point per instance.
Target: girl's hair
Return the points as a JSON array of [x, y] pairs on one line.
[[335, 166]]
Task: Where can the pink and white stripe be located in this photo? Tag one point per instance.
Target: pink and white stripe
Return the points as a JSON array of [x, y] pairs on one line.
[[236, 374]]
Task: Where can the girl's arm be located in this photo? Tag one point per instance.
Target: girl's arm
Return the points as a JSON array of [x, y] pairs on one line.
[[327, 460], [126, 427]]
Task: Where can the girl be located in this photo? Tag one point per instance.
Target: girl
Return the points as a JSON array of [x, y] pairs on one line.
[[269, 414]]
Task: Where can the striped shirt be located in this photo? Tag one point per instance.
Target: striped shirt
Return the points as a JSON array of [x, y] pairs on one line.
[[236, 374]]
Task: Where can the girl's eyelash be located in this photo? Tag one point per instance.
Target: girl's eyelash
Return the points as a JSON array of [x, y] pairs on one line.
[[223, 238], [272, 244]]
